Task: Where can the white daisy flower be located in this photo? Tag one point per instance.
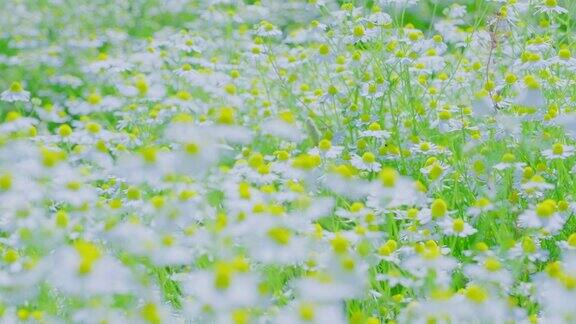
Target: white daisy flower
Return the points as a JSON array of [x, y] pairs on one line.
[[456, 226], [15, 93]]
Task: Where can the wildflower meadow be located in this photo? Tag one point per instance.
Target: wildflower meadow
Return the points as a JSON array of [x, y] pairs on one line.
[[287, 161]]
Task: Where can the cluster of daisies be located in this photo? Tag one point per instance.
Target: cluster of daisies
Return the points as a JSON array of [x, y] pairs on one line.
[[296, 161]]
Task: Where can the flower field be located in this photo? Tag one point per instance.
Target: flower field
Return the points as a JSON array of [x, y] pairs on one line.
[[287, 161]]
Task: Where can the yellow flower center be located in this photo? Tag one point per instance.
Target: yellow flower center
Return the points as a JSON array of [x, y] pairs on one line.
[[436, 171], [16, 87], [324, 145], [388, 177], [572, 240], [280, 235], [94, 99], [306, 312], [141, 85], [508, 158], [339, 244], [374, 127], [149, 154], [287, 116], [192, 148], [438, 208], [531, 82], [368, 157], [226, 115], [565, 54], [492, 264], [223, 276], [528, 245], [324, 49], [307, 161], [359, 31], [558, 149], [546, 208], [65, 130], [445, 115], [458, 225], [183, 95], [476, 294], [89, 253], [5, 181], [482, 202]]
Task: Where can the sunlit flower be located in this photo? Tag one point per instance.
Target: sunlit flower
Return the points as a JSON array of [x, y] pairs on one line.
[[15, 93]]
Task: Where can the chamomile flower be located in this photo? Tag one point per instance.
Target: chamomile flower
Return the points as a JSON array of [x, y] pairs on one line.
[[482, 205], [569, 244], [93, 102], [375, 130], [138, 240], [379, 18], [559, 151], [105, 63], [482, 104], [551, 7], [343, 180], [435, 170], [326, 149], [226, 286], [366, 162], [425, 148], [277, 243], [372, 90], [361, 33], [285, 126], [393, 190], [310, 312], [189, 43], [508, 161], [84, 269], [267, 29], [15, 93], [544, 216], [531, 94], [429, 256], [15, 122], [528, 248], [565, 58], [491, 271], [536, 185], [554, 288], [457, 227]]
